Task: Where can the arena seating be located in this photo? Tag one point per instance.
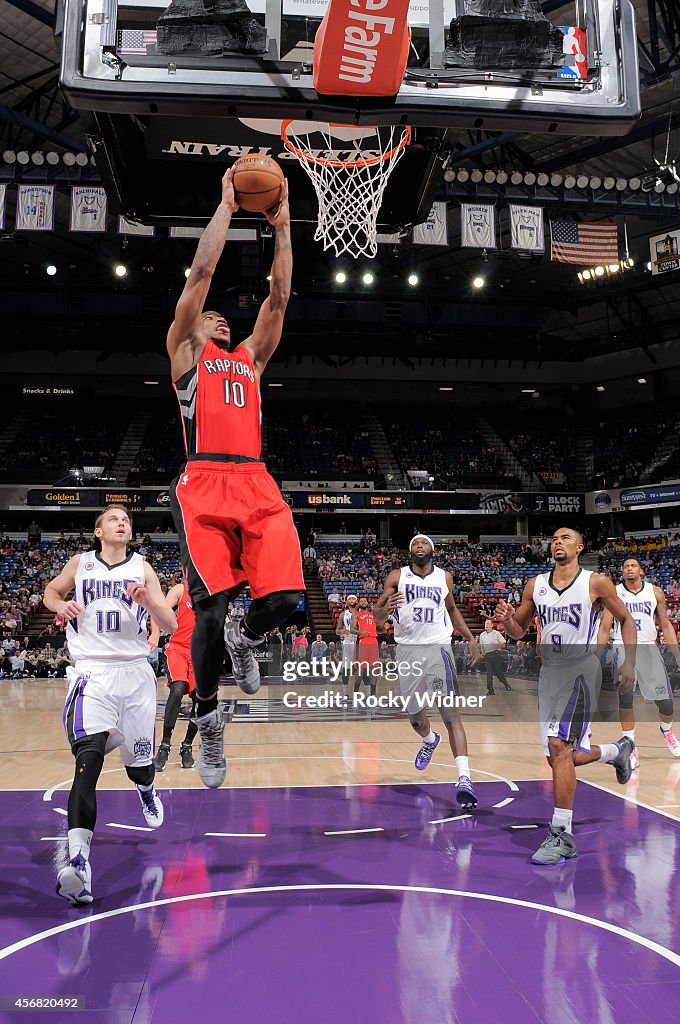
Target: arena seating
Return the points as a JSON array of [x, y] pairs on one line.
[[624, 445], [317, 441], [542, 444]]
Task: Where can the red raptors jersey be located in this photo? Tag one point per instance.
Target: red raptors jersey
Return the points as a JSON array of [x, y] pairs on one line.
[[366, 623], [185, 621], [219, 399]]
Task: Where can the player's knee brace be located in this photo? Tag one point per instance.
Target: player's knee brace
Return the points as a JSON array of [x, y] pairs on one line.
[[665, 707], [143, 776], [626, 700], [82, 802], [267, 612]]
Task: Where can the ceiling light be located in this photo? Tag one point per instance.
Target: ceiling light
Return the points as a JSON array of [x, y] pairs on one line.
[[9, 156], [69, 159], [609, 183], [463, 175], [528, 391], [599, 271], [600, 387], [642, 380], [569, 181], [476, 176], [50, 270], [446, 389], [530, 178], [489, 177], [269, 277], [23, 157], [187, 271], [649, 266], [634, 184], [82, 159], [52, 158], [478, 282], [621, 184], [151, 382], [120, 270], [629, 262], [516, 178], [556, 179], [501, 177], [582, 181], [275, 385], [587, 275], [595, 182], [38, 158], [613, 268], [449, 174], [340, 277], [368, 278], [542, 179], [413, 279]]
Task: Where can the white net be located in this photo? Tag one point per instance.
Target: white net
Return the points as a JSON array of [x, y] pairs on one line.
[[349, 168]]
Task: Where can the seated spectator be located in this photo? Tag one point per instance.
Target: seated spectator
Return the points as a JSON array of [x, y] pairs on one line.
[[334, 596]]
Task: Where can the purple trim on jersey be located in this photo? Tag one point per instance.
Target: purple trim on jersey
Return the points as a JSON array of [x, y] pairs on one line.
[[566, 722], [591, 626], [78, 728], [450, 671]]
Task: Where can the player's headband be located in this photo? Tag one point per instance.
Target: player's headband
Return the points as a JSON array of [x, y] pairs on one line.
[[422, 536]]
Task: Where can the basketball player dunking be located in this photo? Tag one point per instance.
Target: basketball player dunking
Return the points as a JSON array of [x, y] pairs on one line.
[[180, 677], [112, 693], [647, 604], [420, 597], [233, 523], [568, 601]]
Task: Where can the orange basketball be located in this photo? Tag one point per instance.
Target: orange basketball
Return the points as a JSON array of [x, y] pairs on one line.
[[257, 182]]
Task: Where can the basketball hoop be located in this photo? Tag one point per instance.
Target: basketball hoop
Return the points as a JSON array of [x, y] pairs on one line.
[[349, 167]]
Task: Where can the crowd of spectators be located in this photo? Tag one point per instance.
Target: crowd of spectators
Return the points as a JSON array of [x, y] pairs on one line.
[[19, 660], [450, 452], [544, 445], [58, 438], [624, 445], [323, 442]]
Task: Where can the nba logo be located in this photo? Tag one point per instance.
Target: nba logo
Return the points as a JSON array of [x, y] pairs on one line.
[[184, 480]]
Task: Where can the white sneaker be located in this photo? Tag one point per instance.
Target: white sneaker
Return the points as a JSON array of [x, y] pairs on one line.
[[74, 882], [152, 807], [211, 764], [243, 663], [671, 741], [634, 760]]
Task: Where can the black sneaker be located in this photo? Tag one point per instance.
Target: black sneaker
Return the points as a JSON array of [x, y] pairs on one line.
[[162, 754], [186, 755], [622, 760]]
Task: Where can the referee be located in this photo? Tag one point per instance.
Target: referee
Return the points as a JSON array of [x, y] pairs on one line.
[[491, 643]]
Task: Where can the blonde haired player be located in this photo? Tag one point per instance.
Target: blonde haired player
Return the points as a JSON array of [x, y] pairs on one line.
[[647, 605], [111, 700]]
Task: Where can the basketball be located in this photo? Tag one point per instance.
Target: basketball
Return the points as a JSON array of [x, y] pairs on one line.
[[257, 183]]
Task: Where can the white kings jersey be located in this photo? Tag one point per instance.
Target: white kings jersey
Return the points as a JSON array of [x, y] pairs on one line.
[[567, 617], [111, 627], [642, 606], [422, 618], [349, 638]]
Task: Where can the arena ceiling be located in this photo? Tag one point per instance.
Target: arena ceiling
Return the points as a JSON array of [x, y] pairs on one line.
[[529, 306]]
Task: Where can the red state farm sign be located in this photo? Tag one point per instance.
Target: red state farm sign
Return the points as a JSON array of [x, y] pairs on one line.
[[361, 48]]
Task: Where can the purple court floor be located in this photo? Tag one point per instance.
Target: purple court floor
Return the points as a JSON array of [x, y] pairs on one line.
[[289, 914]]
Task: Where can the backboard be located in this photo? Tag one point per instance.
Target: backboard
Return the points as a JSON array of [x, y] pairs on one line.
[[165, 123]]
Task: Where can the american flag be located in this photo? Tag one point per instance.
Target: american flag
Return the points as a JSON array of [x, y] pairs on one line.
[[136, 40], [583, 244]]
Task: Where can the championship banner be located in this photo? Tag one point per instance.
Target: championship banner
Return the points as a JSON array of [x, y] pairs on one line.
[[477, 226], [3, 198], [88, 208], [434, 231], [35, 208], [664, 251], [526, 228], [130, 227]]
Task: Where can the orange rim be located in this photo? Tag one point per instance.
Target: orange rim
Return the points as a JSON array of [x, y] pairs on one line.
[[339, 164]]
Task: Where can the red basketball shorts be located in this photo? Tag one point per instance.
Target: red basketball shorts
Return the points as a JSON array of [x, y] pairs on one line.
[[179, 666], [234, 526]]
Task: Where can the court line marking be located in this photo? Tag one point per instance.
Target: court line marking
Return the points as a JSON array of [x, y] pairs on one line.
[[353, 831], [504, 803], [44, 839], [60, 810], [238, 835], [48, 794], [607, 926], [131, 828], [631, 800], [525, 826], [456, 817]]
